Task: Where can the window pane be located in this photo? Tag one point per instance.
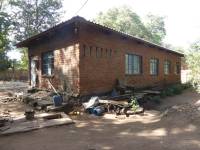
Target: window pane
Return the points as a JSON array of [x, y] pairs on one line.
[[153, 66], [133, 64], [47, 63], [126, 64]]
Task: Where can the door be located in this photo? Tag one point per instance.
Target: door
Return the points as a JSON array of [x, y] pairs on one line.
[[33, 72]]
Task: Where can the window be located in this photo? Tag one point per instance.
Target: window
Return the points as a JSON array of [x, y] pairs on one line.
[[177, 68], [110, 52], [167, 66], [84, 50], [101, 52], [47, 63], [154, 64], [90, 50], [97, 52], [133, 64]]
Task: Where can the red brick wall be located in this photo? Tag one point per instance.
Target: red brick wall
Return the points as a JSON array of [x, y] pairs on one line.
[[99, 74], [66, 60], [84, 73]]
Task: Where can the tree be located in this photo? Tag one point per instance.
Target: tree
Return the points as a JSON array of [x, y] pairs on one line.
[[125, 20], [32, 17], [193, 62], [5, 24], [156, 26]]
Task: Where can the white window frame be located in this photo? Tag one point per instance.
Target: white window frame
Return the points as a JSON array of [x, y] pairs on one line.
[[154, 66], [167, 67], [48, 63], [133, 64]]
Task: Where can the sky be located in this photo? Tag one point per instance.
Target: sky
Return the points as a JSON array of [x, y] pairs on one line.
[[182, 17]]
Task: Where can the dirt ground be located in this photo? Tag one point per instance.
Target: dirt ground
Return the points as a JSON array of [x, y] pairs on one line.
[[174, 125]]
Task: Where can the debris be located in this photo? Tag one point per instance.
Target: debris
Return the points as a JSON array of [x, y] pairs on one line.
[[2, 122], [94, 101], [41, 121], [56, 108], [98, 111], [132, 112], [29, 113], [57, 100], [114, 93], [151, 92]]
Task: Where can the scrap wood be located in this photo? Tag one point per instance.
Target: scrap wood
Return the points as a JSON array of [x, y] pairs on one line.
[[139, 95], [151, 92], [120, 97], [53, 87], [113, 102], [39, 123]]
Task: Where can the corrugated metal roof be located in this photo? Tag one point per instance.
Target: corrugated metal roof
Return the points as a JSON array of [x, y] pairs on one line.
[[28, 41]]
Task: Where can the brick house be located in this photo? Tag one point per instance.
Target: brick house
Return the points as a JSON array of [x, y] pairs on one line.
[[84, 58]]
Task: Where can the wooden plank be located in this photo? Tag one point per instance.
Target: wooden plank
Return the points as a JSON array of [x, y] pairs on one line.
[[36, 124], [113, 102], [151, 92]]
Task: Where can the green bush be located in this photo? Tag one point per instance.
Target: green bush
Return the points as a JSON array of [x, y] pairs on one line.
[[186, 85], [169, 91], [177, 89], [156, 99], [174, 89], [163, 94]]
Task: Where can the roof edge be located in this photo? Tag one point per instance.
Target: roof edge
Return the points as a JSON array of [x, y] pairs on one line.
[[78, 18]]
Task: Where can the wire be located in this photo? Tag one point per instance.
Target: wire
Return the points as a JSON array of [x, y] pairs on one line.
[[81, 7]]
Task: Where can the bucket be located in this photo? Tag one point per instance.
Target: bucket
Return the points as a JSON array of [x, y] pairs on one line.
[[57, 100]]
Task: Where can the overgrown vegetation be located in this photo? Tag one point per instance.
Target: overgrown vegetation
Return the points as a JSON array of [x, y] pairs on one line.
[[193, 62], [174, 89], [5, 27]]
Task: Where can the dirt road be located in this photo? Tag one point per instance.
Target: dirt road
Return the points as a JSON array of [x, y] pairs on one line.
[[174, 126]]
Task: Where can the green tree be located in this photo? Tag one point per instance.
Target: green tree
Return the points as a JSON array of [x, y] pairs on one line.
[[193, 62], [156, 26], [125, 20], [32, 17], [5, 24]]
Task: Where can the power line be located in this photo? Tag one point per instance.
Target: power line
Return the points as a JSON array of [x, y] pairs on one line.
[[81, 7]]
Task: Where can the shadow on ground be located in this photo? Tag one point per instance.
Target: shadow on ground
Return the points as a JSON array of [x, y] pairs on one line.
[[174, 130]]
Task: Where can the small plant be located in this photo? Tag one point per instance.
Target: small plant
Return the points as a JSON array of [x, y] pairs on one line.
[[134, 103]]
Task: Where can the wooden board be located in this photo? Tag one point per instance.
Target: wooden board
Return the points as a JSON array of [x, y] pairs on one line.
[[36, 124], [113, 102]]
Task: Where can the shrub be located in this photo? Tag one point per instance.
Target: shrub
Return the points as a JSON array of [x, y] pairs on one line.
[[156, 99], [177, 89], [174, 89], [186, 85], [169, 91], [163, 94]]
